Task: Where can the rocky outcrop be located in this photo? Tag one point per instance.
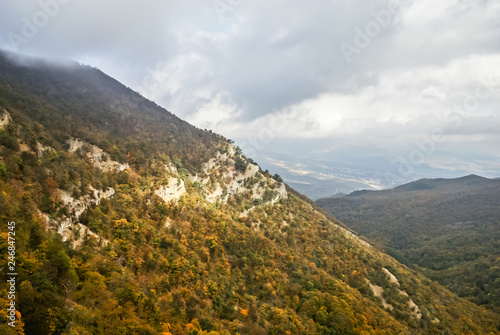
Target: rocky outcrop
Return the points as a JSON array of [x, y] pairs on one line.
[[171, 169], [42, 149], [172, 191], [415, 311], [68, 226], [281, 194], [81, 233], [5, 118], [75, 144], [77, 206], [97, 156], [102, 161], [392, 278], [232, 181], [378, 292], [351, 235], [219, 179]]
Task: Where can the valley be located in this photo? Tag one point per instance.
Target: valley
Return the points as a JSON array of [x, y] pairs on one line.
[[448, 228]]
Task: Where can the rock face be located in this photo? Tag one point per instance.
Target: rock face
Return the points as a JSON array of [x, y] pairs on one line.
[[78, 206], [232, 181], [171, 169], [75, 144], [5, 118], [68, 226], [172, 191], [83, 233], [97, 156], [102, 161], [219, 179], [42, 149], [392, 278], [378, 291], [415, 311]]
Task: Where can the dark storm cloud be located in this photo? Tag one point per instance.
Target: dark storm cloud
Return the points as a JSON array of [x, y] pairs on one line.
[[346, 72]]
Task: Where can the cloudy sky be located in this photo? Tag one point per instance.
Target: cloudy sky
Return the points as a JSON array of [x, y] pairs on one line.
[[415, 81]]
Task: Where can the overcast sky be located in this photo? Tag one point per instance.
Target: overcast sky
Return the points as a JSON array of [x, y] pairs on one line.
[[412, 79]]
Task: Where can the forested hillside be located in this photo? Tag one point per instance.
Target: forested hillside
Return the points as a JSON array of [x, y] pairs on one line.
[[131, 221], [450, 228]]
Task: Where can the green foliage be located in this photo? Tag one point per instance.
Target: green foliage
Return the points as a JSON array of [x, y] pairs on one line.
[[447, 228], [29, 158], [184, 172], [3, 171], [269, 195], [177, 162], [115, 153], [240, 164], [278, 178], [9, 140]]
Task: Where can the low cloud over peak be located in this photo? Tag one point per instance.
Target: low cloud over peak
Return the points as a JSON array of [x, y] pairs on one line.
[[386, 73]]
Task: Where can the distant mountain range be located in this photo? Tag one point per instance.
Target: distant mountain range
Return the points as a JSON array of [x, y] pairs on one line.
[[319, 175], [317, 179], [448, 227]]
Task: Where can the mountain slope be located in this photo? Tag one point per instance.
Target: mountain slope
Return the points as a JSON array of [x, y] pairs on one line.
[[450, 227], [131, 221]]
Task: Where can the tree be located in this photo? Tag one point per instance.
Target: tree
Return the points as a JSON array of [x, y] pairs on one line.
[[3, 171], [240, 164], [278, 178]]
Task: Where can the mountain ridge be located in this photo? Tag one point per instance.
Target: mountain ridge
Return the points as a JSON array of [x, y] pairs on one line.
[[423, 184], [448, 227], [132, 221]]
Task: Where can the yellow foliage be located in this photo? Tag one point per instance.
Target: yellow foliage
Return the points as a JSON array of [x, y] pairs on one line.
[[19, 329], [193, 327], [122, 223]]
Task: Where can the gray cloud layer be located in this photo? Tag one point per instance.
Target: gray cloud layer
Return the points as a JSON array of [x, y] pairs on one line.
[[332, 73]]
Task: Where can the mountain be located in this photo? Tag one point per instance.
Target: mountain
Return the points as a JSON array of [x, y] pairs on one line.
[[448, 227], [324, 173], [129, 220]]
